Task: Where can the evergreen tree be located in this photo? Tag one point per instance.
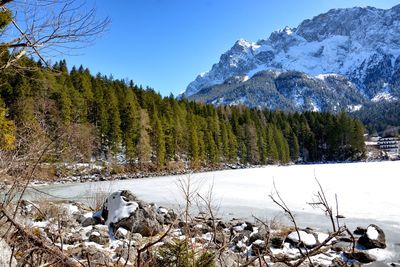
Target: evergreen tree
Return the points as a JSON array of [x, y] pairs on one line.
[[7, 131], [159, 141], [130, 124], [143, 146], [193, 144], [114, 130]]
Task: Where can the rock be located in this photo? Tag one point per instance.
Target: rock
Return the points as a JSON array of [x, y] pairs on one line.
[[276, 241], [248, 227], [122, 209], [306, 239], [374, 237], [254, 237], [97, 258], [341, 246], [360, 256], [241, 237], [121, 233], [142, 221], [98, 238], [221, 225], [73, 239], [337, 262], [258, 247], [360, 231], [5, 255], [88, 221]]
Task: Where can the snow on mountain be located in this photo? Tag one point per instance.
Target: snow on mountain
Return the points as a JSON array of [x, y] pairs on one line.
[[360, 44]]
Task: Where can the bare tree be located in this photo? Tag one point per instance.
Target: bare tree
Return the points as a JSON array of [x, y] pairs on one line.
[[44, 28]]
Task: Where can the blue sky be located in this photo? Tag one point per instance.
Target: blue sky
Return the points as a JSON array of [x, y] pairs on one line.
[[165, 44]]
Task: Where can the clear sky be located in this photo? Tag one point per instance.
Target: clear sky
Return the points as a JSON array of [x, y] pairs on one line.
[[165, 44]]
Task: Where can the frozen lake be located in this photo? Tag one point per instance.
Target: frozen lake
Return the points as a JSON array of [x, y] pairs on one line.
[[368, 192]]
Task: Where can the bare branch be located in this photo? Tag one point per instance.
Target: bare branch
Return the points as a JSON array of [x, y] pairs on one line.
[[48, 27]]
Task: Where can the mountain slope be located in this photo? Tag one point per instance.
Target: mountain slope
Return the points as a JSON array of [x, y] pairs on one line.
[[361, 45]]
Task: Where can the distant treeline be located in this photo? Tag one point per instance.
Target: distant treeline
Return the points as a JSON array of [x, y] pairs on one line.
[[100, 117]]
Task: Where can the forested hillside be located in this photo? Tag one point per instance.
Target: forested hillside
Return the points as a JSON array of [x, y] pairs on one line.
[[380, 117], [96, 116]]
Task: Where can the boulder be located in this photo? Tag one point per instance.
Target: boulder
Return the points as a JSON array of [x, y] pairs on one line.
[[258, 247], [98, 238], [374, 237], [73, 238], [121, 233], [88, 221], [254, 237], [360, 231], [122, 209], [306, 239], [276, 241], [360, 256]]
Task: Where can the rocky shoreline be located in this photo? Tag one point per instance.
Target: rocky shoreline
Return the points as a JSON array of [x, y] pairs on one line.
[[126, 231], [83, 173]]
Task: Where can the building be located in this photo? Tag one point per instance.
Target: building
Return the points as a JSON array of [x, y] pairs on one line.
[[389, 144]]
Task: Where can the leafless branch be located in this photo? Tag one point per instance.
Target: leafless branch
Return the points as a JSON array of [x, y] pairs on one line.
[[47, 28]]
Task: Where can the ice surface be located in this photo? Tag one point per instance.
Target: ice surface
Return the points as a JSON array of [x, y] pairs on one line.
[[366, 190]]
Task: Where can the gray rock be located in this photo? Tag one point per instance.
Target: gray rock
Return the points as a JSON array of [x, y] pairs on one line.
[[73, 239], [254, 237], [142, 218], [89, 221], [369, 240], [276, 241], [361, 256], [258, 247], [98, 238], [341, 246], [337, 262], [360, 231], [143, 221], [121, 233]]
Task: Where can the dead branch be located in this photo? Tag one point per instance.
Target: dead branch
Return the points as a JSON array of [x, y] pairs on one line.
[[148, 246], [38, 243], [45, 28]]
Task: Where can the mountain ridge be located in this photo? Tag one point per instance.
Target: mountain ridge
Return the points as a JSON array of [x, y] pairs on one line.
[[359, 44]]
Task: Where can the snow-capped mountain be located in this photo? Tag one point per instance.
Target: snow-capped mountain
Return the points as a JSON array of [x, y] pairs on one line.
[[357, 48]]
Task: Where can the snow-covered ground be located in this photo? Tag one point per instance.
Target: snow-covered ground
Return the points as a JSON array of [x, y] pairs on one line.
[[368, 192]]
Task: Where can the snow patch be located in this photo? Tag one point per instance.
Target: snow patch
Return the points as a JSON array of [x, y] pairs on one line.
[[306, 238], [118, 208], [353, 108], [372, 233], [383, 96], [327, 75]]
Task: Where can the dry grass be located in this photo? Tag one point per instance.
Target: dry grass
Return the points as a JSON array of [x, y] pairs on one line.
[[97, 194]]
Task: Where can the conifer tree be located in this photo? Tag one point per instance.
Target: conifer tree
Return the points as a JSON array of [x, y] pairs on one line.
[[272, 150], [159, 141], [129, 120], [193, 143], [114, 130], [7, 131], [143, 146]]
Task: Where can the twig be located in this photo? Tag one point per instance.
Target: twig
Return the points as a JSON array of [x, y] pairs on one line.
[[149, 245]]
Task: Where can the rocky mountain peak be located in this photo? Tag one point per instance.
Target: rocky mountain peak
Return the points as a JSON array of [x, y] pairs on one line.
[[360, 44]]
